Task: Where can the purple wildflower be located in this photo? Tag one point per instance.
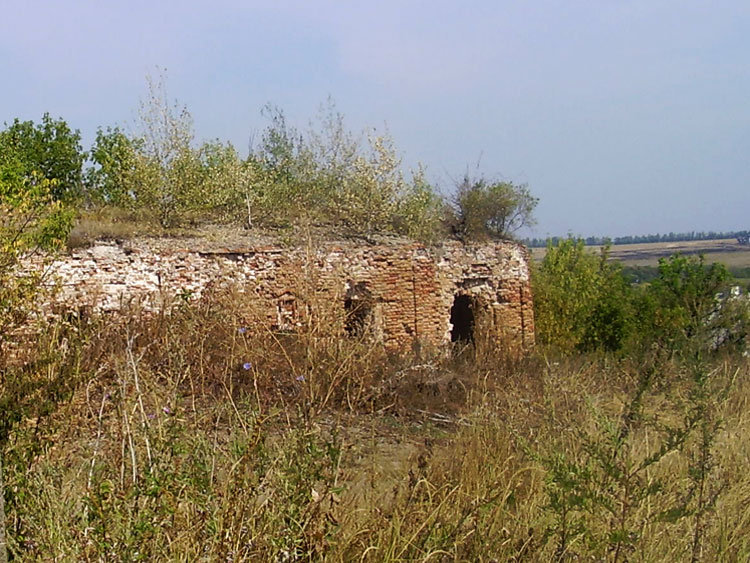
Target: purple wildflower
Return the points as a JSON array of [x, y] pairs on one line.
[[242, 330], [300, 378], [166, 410], [246, 366]]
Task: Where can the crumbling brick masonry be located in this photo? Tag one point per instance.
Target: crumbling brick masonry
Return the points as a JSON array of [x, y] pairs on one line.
[[400, 292]]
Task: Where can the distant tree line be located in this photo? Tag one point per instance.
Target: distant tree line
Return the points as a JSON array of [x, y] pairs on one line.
[[640, 239]]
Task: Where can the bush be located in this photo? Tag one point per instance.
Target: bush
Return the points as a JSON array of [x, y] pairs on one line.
[[485, 209], [584, 302], [581, 300], [31, 218], [50, 150], [420, 212], [325, 176], [681, 303], [113, 179], [159, 174], [328, 176]]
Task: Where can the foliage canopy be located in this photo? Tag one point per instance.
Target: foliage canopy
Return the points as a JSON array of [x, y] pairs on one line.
[[49, 150], [584, 302], [323, 176], [489, 209]]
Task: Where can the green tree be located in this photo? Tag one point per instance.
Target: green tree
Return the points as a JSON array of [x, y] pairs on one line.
[[420, 211], [158, 173], [328, 175], [581, 300], [113, 178], [285, 172], [325, 177], [227, 183], [366, 201], [681, 302], [31, 219], [50, 150], [169, 166], [486, 209]]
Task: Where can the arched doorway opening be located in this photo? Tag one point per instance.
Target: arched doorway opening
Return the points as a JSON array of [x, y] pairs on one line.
[[358, 307], [462, 319]]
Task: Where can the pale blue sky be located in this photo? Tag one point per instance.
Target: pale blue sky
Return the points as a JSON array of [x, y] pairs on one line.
[[624, 117]]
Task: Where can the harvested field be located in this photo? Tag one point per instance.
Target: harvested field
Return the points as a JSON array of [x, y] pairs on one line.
[[726, 251]]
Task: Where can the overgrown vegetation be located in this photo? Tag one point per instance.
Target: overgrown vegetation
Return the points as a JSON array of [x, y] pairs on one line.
[[200, 433], [582, 301], [585, 302], [484, 209], [32, 218], [156, 175]]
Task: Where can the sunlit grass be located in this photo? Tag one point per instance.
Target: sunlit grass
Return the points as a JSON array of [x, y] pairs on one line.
[[199, 434]]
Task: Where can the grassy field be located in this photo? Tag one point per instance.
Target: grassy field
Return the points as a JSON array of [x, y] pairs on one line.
[[199, 435]]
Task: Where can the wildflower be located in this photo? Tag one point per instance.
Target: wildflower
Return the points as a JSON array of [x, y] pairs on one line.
[[242, 330], [151, 416], [166, 410], [246, 366], [300, 378]]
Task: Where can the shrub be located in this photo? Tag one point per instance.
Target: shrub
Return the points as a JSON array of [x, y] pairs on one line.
[[50, 150], [681, 303], [420, 212], [113, 177], [581, 300], [158, 173], [325, 176], [584, 302], [31, 218], [486, 209], [328, 176]]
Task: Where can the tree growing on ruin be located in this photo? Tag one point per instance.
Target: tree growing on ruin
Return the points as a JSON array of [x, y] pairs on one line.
[[158, 173], [490, 209], [333, 177], [114, 175]]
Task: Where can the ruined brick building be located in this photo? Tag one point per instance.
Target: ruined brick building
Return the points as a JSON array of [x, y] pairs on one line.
[[400, 292]]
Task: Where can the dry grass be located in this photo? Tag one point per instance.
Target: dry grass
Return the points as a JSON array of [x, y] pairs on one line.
[[182, 437]]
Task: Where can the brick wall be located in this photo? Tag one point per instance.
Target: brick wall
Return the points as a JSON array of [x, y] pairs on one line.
[[399, 292]]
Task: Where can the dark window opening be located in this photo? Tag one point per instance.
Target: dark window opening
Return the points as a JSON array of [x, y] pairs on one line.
[[462, 319], [357, 316]]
